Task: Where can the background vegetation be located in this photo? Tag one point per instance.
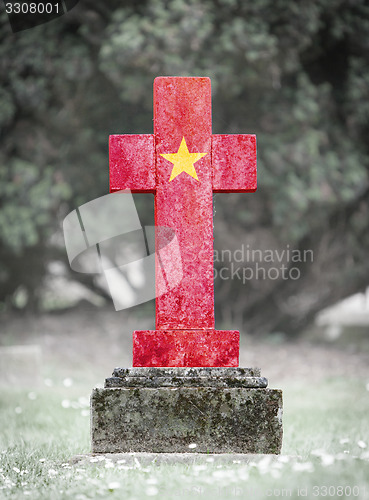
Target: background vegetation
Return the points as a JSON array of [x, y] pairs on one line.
[[294, 73]]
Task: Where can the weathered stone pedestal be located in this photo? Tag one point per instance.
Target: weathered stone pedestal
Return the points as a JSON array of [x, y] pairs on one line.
[[165, 410]]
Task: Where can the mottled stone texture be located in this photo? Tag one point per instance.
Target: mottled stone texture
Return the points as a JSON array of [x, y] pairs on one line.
[[217, 420], [137, 153], [164, 410], [234, 163], [187, 372], [185, 348], [250, 382], [189, 377]]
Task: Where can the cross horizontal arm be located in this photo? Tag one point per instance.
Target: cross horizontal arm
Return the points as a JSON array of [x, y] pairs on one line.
[[132, 163], [234, 163]]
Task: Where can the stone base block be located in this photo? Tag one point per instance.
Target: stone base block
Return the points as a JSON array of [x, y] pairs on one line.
[[214, 416], [186, 348]]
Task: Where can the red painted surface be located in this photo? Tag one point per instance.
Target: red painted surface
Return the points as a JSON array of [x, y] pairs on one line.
[[132, 163], [234, 163], [182, 108], [185, 348], [183, 164]]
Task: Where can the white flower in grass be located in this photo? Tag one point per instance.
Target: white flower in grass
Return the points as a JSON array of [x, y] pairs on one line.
[[67, 382], [15, 469], [94, 459], [344, 440], [199, 467], [42, 460], [109, 465], [18, 410], [121, 461], [152, 480], [192, 446], [303, 467], [52, 472], [327, 460], [26, 492], [210, 459], [361, 444], [85, 413], [219, 474], [152, 491], [264, 464], [114, 485], [65, 403], [8, 483], [32, 396]]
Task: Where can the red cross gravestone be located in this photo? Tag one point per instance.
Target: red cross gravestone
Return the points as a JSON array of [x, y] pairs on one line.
[[183, 164], [185, 391]]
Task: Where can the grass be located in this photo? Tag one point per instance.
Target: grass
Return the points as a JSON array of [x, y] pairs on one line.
[[325, 451]]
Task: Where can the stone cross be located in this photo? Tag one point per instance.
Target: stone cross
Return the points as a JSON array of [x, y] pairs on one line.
[[183, 164]]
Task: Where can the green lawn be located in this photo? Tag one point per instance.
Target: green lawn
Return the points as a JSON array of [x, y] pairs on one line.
[[325, 451]]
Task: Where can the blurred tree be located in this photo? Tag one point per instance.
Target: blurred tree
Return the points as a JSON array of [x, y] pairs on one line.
[[296, 74]]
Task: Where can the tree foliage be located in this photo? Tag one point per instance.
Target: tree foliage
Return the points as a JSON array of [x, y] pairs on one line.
[[294, 73]]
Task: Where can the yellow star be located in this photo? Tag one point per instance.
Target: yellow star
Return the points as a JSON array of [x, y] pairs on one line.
[[183, 161]]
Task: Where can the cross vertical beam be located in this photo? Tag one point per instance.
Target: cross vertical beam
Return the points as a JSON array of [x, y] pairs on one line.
[[182, 108]]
